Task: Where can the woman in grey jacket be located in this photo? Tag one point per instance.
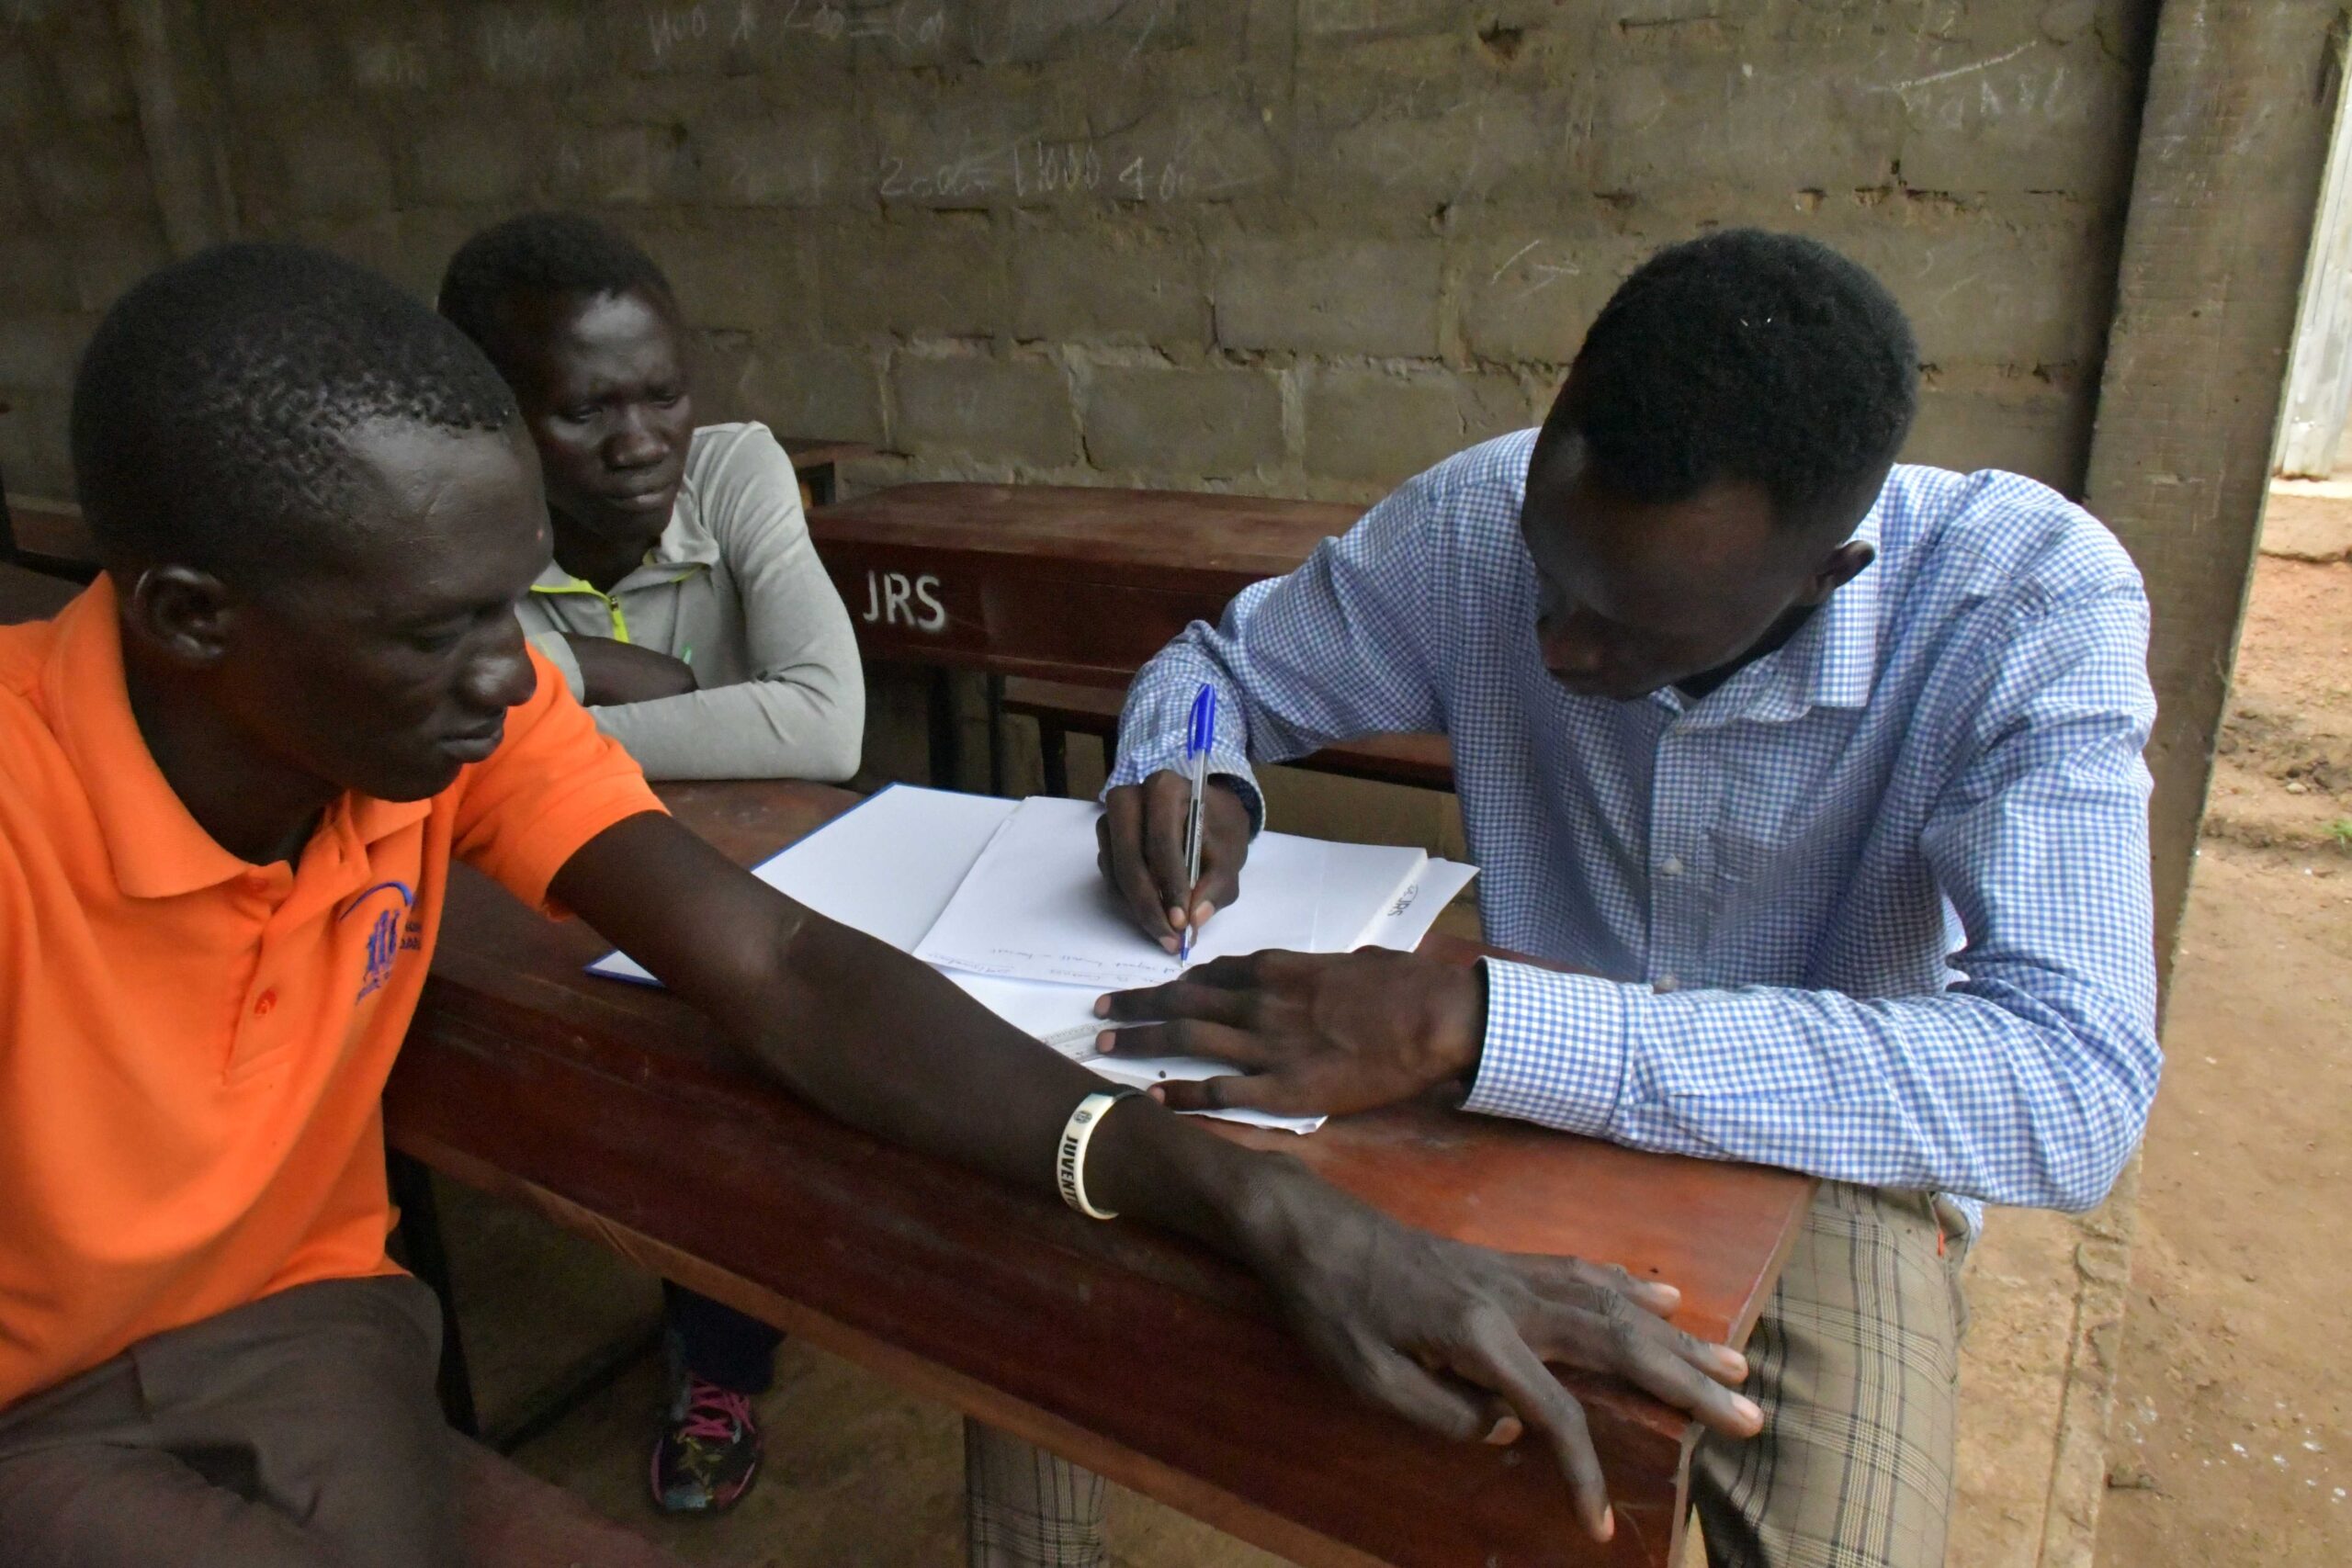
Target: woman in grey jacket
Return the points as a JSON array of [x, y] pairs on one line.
[[685, 604], [687, 609]]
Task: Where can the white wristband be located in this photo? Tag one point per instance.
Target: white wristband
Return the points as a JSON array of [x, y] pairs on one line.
[[1070, 1164]]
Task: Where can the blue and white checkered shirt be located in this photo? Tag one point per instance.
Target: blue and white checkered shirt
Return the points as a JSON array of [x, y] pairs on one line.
[[1875, 908]]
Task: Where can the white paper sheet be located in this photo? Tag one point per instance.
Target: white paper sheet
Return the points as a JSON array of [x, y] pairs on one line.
[[1408, 917], [1063, 1017], [1144, 1071], [886, 867], [1036, 906], [891, 866]]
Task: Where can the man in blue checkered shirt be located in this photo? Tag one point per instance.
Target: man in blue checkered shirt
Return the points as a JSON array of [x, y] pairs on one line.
[[1827, 769]]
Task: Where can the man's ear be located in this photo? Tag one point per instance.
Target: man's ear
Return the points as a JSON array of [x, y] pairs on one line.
[[1840, 567], [184, 613]]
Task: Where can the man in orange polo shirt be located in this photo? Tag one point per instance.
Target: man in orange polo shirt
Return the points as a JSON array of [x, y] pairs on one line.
[[232, 776]]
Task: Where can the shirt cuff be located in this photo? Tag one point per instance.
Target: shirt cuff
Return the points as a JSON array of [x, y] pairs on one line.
[[1226, 765], [556, 648], [1556, 1050], [1236, 771]]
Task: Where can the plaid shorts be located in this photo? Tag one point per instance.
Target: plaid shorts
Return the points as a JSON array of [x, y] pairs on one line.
[[1855, 1359], [1024, 1507]]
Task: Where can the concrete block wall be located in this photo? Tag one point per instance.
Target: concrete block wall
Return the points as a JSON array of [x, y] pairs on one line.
[[78, 218], [1288, 246]]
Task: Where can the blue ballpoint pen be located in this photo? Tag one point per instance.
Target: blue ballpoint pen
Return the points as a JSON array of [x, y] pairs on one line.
[[1197, 740]]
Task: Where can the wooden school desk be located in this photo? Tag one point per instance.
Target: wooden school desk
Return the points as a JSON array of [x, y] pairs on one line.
[[1068, 585], [607, 1107], [47, 536], [818, 462], [31, 595]]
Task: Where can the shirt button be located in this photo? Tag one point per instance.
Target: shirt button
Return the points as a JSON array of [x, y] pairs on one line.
[[1670, 865], [266, 1003], [1665, 983]]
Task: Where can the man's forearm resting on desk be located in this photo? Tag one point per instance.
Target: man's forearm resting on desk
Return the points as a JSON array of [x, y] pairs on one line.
[[805, 722], [609, 672], [1983, 1090], [1952, 1092], [1421, 1325]]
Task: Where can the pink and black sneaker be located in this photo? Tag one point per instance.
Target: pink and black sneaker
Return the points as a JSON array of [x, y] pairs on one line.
[[708, 1453]]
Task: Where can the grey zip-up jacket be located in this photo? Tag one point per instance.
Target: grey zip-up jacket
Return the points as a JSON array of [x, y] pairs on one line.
[[735, 589]]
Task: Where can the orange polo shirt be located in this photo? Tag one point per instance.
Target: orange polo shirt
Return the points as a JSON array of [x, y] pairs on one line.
[[192, 1048]]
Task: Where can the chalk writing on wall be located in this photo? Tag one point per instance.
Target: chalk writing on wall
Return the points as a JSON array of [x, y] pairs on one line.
[[390, 63], [1039, 169], [531, 47], [736, 23]]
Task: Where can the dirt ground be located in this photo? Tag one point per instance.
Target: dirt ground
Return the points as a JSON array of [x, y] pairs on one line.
[[2232, 1440]]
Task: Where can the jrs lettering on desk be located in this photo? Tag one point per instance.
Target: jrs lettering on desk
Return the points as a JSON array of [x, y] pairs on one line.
[[893, 598], [1053, 581]]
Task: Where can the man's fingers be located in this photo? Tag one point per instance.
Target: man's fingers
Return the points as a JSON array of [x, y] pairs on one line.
[[1234, 972], [1136, 1040], [1276, 1093], [1725, 1363], [1186, 1037], [1506, 1364], [1167, 803], [1576, 1275], [1220, 882], [1122, 843], [1395, 1382], [1145, 1003], [1661, 1360], [1577, 1296], [1195, 996], [1225, 845], [1191, 1037], [1578, 1286]]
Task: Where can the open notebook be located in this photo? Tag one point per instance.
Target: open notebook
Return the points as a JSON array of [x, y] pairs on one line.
[[895, 866], [1035, 907]]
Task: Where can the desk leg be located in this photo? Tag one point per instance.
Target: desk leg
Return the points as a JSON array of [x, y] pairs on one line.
[[1053, 750], [946, 754], [580, 1382], [420, 1241], [996, 734], [819, 480]]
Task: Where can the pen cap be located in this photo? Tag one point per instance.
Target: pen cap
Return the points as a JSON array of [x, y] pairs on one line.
[[1203, 733]]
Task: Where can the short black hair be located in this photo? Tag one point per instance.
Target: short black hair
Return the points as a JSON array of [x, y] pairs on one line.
[[1748, 356], [541, 253], [213, 407]]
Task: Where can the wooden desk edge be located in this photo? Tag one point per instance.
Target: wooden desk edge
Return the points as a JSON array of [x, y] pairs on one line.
[[906, 1371], [916, 1370], [1744, 1326], [30, 595], [817, 452]]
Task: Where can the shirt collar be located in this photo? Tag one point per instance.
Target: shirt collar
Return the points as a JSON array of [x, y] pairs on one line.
[[1832, 663], [684, 548], [156, 848]]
